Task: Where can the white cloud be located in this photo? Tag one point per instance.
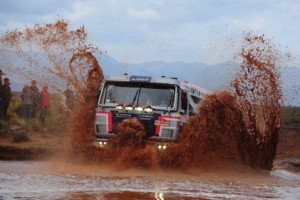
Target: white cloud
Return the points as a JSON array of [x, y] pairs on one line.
[[163, 30], [142, 14], [250, 24], [79, 11]]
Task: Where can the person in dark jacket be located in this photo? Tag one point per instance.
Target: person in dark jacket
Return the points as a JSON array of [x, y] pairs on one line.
[[35, 98], [5, 96]]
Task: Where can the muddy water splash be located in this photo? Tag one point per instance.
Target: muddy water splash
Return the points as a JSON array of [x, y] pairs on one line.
[[82, 131], [258, 94], [215, 137], [239, 126], [128, 149]]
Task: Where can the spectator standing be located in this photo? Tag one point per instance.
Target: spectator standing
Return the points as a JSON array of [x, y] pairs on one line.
[[1, 74], [45, 105], [35, 98], [27, 102], [69, 97], [5, 96]]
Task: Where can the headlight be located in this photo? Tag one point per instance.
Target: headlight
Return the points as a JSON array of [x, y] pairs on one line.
[[148, 109], [162, 146], [119, 107], [128, 108], [102, 144], [139, 108]]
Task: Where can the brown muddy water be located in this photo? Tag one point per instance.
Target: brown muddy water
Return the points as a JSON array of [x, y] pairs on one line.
[[59, 180]]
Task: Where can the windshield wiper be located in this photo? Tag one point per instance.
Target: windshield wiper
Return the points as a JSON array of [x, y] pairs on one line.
[[170, 101], [137, 95]]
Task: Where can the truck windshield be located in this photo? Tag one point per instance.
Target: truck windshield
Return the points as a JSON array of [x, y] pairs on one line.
[[157, 96]]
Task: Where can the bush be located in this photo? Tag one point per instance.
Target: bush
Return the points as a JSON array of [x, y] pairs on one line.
[[291, 115], [4, 127], [21, 137], [56, 121]]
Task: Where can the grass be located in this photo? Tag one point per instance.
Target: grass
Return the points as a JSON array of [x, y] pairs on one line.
[[55, 121], [291, 116], [4, 128]]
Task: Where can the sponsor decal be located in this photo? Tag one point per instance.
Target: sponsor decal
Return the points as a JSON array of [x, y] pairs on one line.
[[140, 78], [161, 123]]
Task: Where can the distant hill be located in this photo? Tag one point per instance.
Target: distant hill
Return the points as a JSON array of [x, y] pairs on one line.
[[213, 77]]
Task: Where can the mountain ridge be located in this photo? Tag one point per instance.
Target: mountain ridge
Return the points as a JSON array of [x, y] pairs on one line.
[[215, 77]]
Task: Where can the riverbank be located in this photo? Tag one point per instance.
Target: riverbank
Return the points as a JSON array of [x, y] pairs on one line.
[[288, 149], [39, 146]]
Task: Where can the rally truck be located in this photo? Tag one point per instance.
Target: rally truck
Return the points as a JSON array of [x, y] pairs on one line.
[[161, 104]]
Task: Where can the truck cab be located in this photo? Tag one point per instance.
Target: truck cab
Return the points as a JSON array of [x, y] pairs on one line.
[[161, 104]]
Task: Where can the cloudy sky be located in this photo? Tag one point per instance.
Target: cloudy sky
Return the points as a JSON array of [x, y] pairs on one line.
[[134, 31]]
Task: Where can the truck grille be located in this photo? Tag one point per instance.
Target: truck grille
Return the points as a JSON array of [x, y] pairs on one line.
[[145, 118]]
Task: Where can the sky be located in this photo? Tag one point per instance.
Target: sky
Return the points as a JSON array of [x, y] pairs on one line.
[[133, 31]]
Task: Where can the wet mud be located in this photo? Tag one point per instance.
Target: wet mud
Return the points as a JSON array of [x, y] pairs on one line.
[[13, 153]]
